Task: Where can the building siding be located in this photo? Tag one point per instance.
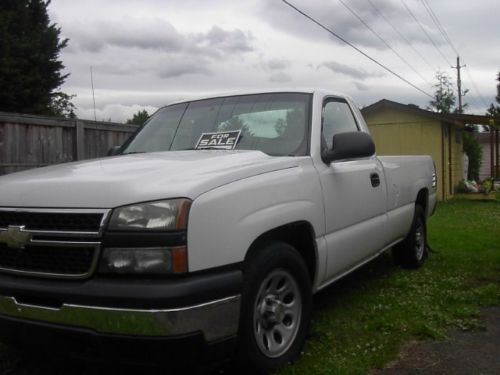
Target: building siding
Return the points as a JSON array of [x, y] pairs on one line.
[[397, 132]]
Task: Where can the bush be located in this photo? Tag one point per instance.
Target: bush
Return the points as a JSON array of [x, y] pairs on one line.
[[474, 151]]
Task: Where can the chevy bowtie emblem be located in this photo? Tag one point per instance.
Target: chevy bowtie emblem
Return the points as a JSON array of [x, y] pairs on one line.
[[15, 237]]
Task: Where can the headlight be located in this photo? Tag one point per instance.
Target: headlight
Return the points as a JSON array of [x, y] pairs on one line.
[[144, 261], [159, 259], [169, 214]]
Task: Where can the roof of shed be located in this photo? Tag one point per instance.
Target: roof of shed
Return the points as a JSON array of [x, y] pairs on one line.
[[457, 119]]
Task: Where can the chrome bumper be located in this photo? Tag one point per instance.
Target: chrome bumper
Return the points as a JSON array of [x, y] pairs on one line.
[[216, 319]]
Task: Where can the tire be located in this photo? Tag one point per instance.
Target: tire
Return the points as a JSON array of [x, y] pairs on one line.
[[275, 309], [412, 251]]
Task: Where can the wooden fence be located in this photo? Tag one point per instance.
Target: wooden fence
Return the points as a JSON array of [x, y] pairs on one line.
[[28, 141]]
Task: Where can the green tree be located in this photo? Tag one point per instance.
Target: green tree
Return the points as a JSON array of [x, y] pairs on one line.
[[30, 69], [444, 98], [139, 118], [444, 102], [498, 88], [494, 110], [474, 151], [61, 105]]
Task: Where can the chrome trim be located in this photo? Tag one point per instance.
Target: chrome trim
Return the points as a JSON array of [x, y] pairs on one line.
[[63, 233], [215, 319], [105, 216], [64, 243], [67, 238]]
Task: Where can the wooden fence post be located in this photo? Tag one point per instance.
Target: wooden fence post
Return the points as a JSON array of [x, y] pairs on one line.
[[80, 140]]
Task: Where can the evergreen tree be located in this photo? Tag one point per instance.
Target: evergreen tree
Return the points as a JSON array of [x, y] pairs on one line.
[[30, 69], [498, 88], [474, 152], [444, 102], [444, 98], [139, 118], [494, 110]]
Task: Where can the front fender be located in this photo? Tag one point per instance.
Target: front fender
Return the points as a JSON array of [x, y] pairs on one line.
[[224, 222]]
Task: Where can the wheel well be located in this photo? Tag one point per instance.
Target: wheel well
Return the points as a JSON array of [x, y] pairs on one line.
[[300, 235], [422, 199]]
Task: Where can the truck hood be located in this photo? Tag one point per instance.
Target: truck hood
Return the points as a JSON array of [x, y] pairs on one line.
[[121, 180]]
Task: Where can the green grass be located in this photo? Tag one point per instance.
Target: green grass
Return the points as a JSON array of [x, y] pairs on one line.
[[361, 322]]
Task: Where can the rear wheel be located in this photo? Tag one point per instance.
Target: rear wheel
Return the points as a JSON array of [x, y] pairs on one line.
[[412, 251], [276, 308]]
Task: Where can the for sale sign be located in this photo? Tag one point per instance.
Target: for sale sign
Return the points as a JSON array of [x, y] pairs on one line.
[[221, 140]]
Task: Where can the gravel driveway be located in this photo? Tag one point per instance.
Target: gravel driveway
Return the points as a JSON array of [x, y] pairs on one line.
[[466, 353]]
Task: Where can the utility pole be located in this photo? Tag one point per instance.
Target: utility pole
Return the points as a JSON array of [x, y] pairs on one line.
[[459, 84]]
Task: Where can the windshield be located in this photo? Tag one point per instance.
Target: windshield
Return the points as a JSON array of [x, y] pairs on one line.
[[276, 124]]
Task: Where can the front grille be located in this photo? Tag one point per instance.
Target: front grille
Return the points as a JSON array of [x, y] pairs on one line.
[[56, 243], [54, 260], [52, 221]]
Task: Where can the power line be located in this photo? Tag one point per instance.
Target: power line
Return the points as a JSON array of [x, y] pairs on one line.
[[447, 38], [475, 87], [425, 32], [438, 24], [379, 12], [353, 12], [354, 47]]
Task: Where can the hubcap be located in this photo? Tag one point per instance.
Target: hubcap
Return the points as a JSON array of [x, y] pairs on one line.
[[419, 240], [277, 313]]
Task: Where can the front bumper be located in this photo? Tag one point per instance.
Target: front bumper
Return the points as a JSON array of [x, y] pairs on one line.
[[176, 354], [202, 304], [215, 320]]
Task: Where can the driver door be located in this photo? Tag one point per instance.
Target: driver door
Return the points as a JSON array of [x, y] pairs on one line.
[[354, 193]]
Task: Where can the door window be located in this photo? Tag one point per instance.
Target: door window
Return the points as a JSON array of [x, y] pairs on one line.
[[337, 118]]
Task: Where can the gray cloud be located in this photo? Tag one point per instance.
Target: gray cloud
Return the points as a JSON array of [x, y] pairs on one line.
[[276, 64], [348, 70], [339, 19], [227, 41], [157, 34], [273, 65], [154, 34], [280, 77], [177, 68], [361, 86], [145, 52], [154, 46]]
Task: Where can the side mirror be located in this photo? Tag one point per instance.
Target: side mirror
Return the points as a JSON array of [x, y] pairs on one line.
[[113, 150], [350, 145]]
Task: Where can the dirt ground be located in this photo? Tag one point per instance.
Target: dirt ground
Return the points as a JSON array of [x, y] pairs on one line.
[[471, 353]]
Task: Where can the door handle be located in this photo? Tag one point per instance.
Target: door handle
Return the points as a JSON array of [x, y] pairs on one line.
[[375, 179]]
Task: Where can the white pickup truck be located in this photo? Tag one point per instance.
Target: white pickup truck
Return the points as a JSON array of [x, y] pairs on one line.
[[207, 233]]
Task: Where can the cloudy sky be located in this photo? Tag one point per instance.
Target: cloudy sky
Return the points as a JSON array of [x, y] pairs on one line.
[[147, 53]]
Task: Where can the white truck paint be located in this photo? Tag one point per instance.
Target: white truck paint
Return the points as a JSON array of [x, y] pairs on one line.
[[335, 213]]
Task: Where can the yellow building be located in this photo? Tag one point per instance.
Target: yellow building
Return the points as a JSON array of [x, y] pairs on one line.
[[400, 129]]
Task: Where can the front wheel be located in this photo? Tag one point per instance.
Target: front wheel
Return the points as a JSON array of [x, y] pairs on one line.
[[412, 251], [276, 308]]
